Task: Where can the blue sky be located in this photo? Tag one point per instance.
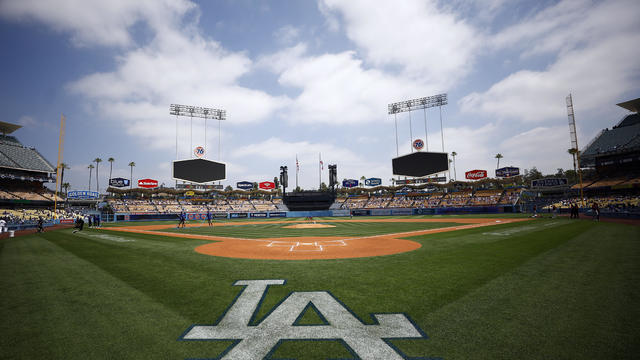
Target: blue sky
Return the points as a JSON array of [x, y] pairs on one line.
[[305, 77]]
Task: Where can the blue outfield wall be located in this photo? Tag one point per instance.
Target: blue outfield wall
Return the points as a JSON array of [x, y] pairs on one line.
[[322, 213]]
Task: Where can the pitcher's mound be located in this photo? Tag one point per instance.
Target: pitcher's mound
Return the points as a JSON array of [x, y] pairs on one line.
[[308, 226]]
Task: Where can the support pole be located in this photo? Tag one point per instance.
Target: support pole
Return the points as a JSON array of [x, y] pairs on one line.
[[426, 135], [410, 133], [441, 128], [395, 116]]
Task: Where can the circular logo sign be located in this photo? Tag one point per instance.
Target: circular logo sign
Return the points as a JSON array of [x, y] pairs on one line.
[[418, 144], [199, 151]]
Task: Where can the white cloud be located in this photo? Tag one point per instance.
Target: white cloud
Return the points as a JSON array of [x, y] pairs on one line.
[[98, 22], [427, 42], [336, 88], [287, 34], [595, 61]]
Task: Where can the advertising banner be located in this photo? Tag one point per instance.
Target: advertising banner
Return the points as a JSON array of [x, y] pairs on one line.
[[349, 183], [373, 182], [360, 212], [219, 215], [549, 183], [340, 213], [199, 151], [238, 215], [507, 171], [148, 183], [199, 187], [258, 215], [119, 182], [381, 212], [244, 185], [475, 174], [418, 144], [67, 221], [82, 195], [437, 179], [267, 185], [278, 214], [189, 193], [401, 211]]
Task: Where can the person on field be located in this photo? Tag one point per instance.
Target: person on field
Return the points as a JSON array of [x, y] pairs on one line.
[[554, 211], [209, 218], [596, 211], [79, 224], [181, 223], [40, 224]]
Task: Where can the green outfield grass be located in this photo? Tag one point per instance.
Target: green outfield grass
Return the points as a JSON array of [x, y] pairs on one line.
[[541, 289]]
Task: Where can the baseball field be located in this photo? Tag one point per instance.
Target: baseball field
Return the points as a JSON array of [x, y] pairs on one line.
[[432, 287]]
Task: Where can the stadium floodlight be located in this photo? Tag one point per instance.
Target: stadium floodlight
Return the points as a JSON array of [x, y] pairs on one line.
[[196, 111], [416, 104]]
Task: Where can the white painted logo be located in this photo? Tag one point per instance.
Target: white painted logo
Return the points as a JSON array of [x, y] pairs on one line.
[[257, 341]]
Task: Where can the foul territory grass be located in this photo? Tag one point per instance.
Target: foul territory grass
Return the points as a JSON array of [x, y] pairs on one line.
[[540, 289]]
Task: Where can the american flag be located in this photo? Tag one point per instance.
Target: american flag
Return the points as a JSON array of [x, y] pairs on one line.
[[321, 164], [297, 164]]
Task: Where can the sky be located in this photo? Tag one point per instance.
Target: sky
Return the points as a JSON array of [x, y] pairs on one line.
[[312, 79]]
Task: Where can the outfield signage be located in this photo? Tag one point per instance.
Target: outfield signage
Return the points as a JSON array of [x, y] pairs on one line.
[[82, 195], [550, 182], [437, 179], [373, 182], [267, 185], [199, 151], [278, 214], [148, 183], [507, 171], [475, 174], [364, 340], [349, 183], [199, 187], [119, 182], [258, 215], [244, 185], [418, 144], [238, 215]]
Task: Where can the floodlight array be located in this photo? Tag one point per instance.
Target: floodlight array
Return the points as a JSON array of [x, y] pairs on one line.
[[196, 111], [420, 103]]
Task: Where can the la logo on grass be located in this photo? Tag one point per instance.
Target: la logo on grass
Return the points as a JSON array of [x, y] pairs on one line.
[[339, 323]]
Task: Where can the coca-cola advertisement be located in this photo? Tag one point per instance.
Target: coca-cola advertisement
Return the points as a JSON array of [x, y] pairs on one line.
[[475, 174], [148, 183]]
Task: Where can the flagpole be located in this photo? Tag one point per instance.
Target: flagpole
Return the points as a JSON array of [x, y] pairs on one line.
[[297, 170]]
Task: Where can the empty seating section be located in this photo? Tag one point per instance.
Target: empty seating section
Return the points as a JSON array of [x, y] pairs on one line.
[[18, 156]]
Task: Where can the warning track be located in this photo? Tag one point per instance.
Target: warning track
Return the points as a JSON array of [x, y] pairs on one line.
[[309, 248]]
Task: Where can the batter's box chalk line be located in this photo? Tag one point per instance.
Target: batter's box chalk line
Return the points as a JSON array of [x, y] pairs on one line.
[[306, 246]]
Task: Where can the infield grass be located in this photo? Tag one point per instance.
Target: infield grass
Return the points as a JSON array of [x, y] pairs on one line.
[[539, 289]]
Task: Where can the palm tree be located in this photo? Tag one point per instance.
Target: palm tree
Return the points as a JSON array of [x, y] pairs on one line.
[[62, 167], [498, 156], [453, 155], [97, 161], [362, 179], [66, 187], [110, 160], [131, 164], [573, 152], [90, 167]]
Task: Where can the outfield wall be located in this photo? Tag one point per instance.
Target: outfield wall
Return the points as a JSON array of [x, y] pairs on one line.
[[200, 216]]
